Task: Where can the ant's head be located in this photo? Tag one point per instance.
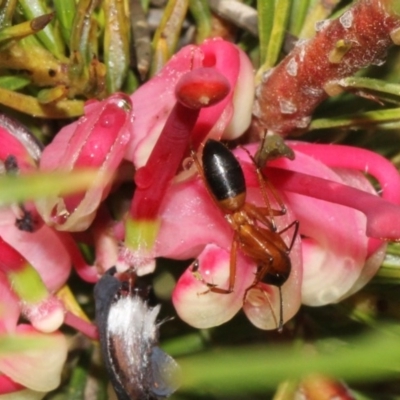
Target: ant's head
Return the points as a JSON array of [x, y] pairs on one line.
[[276, 278]]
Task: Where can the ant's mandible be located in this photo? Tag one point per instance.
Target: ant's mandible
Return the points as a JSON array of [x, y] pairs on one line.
[[255, 232]]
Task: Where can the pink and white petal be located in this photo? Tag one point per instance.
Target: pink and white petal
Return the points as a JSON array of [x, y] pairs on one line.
[[8, 386], [198, 306], [375, 259], [332, 258], [368, 271], [39, 368], [46, 316], [243, 97], [334, 240]]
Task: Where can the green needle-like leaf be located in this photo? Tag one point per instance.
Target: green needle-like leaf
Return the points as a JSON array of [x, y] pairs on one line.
[[167, 34], [376, 85], [265, 12], [356, 120], [201, 14], [65, 12], [49, 36], [298, 15], [43, 184], [31, 105], [116, 43], [251, 369]]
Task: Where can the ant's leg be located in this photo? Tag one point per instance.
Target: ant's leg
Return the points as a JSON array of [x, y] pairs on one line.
[[261, 214], [248, 298], [266, 186], [197, 275], [296, 231]]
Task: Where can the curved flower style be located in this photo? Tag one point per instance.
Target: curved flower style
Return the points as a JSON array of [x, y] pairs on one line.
[[334, 258], [230, 117]]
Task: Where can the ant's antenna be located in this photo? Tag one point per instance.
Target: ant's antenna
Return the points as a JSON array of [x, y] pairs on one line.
[[280, 326]]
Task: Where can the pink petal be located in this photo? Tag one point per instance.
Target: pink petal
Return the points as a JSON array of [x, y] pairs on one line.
[[334, 240], [40, 367], [8, 388], [203, 309], [46, 316], [190, 221], [242, 100]]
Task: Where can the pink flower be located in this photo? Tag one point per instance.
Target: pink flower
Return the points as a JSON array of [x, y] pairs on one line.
[[203, 91], [97, 140], [336, 255], [35, 262], [36, 366]]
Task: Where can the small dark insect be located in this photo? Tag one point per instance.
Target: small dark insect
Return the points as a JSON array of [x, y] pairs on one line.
[[27, 222], [11, 165], [128, 330], [255, 232]]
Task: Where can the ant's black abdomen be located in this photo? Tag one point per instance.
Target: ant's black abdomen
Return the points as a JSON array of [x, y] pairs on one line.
[[224, 175]]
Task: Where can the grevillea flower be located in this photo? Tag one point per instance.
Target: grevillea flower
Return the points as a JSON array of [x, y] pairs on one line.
[[203, 91], [31, 361], [97, 140], [35, 263], [337, 254]]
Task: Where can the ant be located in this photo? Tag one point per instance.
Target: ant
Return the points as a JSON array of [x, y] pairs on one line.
[[255, 232]]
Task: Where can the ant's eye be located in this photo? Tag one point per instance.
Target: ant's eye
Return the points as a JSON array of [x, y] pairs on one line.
[[276, 278]]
